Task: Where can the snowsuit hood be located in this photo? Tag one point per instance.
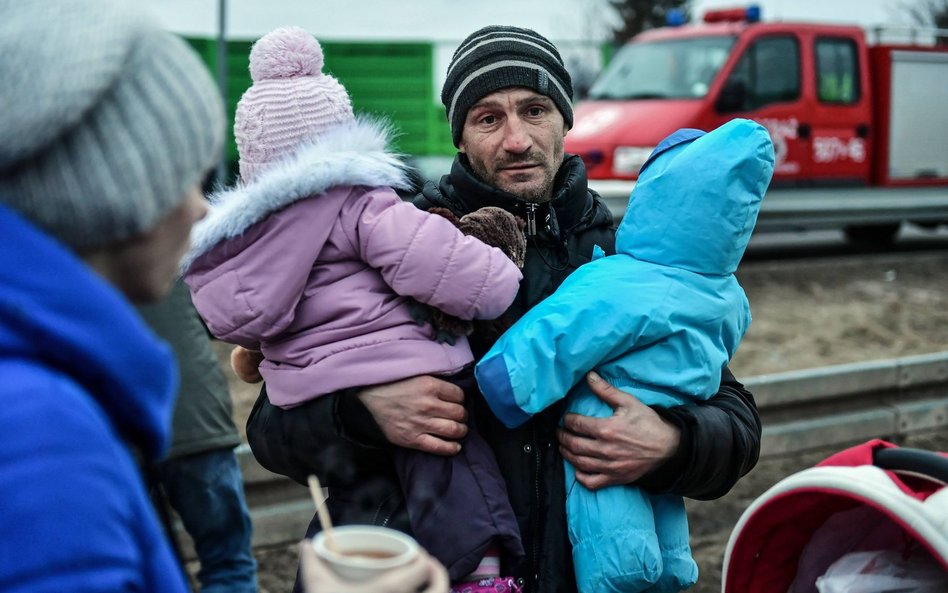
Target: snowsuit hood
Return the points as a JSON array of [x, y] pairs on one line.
[[714, 183]]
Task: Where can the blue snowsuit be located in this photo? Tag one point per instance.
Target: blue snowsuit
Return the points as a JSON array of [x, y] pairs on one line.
[[659, 319]]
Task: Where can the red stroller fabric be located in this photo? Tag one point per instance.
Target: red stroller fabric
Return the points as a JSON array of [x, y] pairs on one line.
[[851, 504]]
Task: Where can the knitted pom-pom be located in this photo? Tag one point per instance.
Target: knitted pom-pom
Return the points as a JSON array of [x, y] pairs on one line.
[[285, 53]]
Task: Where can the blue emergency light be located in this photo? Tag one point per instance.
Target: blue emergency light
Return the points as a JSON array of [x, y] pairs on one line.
[[675, 17]]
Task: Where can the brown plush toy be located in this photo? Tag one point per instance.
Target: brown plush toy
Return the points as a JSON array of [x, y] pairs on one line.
[[494, 226], [497, 228]]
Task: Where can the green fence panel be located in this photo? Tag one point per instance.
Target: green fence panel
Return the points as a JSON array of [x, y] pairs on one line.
[[440, 140], [393, 80]]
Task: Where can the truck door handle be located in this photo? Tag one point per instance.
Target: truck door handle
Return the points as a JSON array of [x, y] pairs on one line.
[[803, 131], [862, 130]]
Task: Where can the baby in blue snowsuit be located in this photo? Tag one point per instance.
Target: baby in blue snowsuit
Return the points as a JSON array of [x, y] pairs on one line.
[[659, 319]]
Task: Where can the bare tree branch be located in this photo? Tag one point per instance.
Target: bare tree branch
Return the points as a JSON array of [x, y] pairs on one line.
[[930, 13], [639, 15]]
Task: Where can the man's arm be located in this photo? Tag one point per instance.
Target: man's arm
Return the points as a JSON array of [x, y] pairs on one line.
[[698, 450], [720, 443], [352, 426]]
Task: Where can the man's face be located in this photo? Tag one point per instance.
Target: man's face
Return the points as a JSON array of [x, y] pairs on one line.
[[513, 139]]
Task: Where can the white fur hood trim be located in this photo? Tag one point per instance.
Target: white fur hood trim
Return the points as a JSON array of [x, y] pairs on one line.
[[350, 154]]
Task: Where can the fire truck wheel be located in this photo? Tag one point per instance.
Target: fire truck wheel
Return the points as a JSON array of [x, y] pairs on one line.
[[877, 234]]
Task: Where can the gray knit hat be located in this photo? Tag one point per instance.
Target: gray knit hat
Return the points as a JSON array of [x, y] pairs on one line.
[[105, 120], [497, 57]]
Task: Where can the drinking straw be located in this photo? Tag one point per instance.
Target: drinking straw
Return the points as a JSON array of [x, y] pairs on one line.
[[316, 491]]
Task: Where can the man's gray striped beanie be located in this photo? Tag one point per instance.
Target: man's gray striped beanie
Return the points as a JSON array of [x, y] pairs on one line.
[[497, 57], [106, 119]]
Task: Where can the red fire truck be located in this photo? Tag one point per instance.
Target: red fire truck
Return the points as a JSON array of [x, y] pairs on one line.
[[860, 131]]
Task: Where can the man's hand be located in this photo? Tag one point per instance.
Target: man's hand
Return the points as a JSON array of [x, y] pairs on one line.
[[619, 449], [422, 413], [423, 575]]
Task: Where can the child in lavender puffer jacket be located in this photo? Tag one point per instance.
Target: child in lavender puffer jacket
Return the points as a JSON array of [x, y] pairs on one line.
[[315, 261]]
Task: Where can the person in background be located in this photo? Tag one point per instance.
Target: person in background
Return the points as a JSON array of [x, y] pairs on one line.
[[108, 125], [200, 474], [508, 99]]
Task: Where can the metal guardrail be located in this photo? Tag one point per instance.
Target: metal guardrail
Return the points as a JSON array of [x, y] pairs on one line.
[[821, 407], [821, 208], [796, 209], [845, 404]]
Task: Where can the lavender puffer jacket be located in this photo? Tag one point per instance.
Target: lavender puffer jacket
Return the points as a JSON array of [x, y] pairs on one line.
[[314, 264]]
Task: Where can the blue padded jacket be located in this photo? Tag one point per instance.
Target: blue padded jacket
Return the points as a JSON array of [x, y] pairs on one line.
[[81, 377]]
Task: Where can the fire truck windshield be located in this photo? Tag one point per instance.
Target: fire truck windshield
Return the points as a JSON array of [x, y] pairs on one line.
[[669, 69]]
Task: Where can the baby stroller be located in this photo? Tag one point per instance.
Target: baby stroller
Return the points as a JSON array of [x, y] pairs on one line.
[[869, 519]]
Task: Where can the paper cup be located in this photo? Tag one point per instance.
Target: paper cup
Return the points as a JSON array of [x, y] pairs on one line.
[[365, 551]]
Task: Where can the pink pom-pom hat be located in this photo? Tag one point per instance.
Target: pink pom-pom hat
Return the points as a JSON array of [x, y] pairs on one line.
[[290, 102]]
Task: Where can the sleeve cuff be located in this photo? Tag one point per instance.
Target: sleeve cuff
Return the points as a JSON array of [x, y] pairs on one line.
[[355, 421], [663, 478]]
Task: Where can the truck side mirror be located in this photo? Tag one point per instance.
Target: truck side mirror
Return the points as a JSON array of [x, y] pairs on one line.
[[733, 96]]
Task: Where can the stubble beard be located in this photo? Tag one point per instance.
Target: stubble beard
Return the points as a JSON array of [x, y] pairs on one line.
[[537, 193], [540, 193]]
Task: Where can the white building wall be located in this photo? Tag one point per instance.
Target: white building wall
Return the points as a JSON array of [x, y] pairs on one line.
[[389, 20]]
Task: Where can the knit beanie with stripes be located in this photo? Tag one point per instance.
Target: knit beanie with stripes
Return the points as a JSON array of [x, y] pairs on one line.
[[290, 102], [106, 120], [498, 57]]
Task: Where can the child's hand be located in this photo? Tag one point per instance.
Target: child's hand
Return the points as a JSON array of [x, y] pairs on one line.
[[246, 364]]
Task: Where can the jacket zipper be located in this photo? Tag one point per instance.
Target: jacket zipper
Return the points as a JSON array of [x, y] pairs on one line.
[[536, 502], [378, 511], [531, 219]]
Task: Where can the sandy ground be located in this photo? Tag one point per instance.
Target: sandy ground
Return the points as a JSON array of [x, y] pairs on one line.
[[836, 311], [828, 312]]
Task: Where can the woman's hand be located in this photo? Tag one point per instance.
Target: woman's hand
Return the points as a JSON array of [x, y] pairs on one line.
[[422, 575]]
